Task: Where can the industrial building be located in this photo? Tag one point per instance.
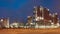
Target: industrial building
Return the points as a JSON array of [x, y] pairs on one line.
[[42, 18], [4, 22]]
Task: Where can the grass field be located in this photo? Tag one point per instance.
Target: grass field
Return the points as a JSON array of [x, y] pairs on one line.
[[30, 31]]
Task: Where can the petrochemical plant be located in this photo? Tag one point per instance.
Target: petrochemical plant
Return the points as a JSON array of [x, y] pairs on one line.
[[42, 18]]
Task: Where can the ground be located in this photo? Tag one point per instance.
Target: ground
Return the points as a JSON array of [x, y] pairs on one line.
[[30, 31]]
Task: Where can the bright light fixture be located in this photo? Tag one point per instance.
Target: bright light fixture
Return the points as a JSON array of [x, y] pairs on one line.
[[41, 18], [1, 19], [37, 19], [52, 23], [31, 23]]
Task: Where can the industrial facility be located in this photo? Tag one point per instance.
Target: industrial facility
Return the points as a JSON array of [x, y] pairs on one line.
[[42, 18]]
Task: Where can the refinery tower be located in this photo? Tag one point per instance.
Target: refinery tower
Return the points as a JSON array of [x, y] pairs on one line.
[[42, 16]]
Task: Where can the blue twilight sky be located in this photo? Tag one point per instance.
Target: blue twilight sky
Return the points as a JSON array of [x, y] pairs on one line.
[[20, 9]]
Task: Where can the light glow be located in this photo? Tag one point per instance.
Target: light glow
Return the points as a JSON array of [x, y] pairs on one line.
[[1, 19], [37, 19], [52, 23], [41, 18]]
